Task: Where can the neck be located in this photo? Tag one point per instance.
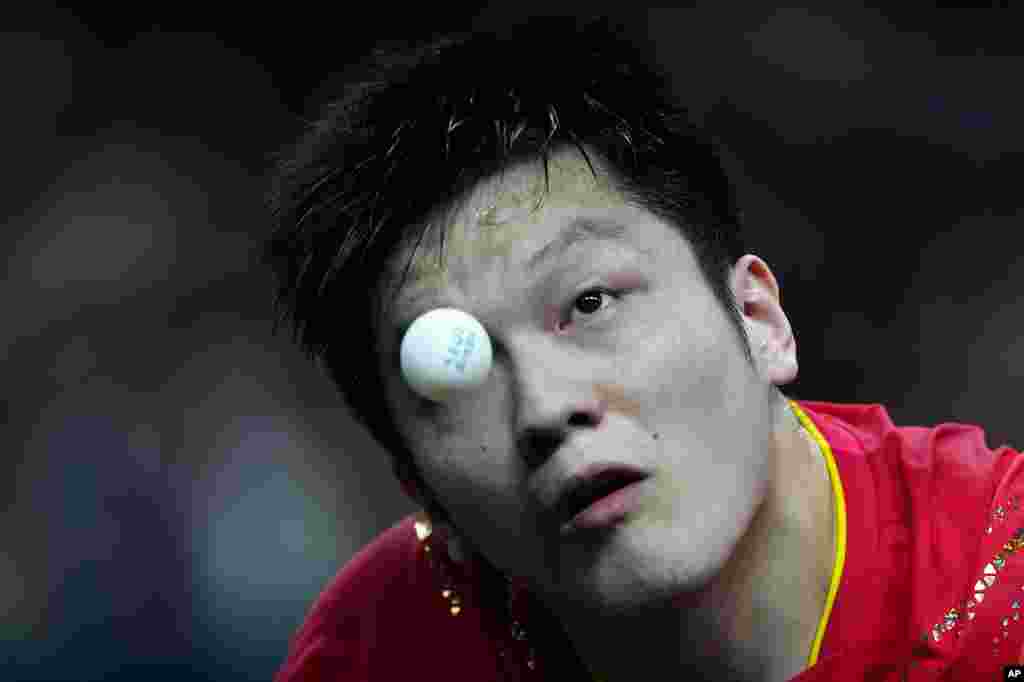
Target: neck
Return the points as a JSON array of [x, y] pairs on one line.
[[757, 619]]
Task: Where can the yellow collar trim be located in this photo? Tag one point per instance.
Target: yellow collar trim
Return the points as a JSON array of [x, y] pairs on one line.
[[839, 516]]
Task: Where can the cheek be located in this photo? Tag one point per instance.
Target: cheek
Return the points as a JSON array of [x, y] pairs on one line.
[[456, 459], [482, 500], [616, 400], [684, 341], [682, 365]]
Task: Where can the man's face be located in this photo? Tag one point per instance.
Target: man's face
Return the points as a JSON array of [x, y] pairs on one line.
[[624, 327]]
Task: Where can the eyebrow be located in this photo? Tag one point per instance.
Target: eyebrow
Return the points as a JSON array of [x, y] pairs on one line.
[[579, 230]]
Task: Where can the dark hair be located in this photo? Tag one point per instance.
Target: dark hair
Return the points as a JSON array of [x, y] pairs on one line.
[[420, 125]]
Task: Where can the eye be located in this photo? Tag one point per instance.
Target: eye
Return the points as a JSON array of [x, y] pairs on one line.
[[593, 300], [439, 413], [425, 404]]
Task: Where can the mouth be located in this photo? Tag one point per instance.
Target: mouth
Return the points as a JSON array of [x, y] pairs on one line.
[[600, 500]]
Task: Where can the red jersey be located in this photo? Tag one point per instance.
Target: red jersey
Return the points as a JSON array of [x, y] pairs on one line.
[[928, 572]]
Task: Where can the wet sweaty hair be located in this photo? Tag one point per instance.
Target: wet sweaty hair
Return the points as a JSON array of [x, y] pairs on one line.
[[417, 126]]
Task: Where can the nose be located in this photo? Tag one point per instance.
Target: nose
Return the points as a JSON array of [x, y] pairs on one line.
[[543, 433]]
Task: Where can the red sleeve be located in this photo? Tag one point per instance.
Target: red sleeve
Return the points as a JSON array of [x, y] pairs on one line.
[[332, 643], [383, 618], [314, 658]]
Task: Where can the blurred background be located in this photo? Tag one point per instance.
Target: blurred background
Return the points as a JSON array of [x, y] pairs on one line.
[[177, 484]]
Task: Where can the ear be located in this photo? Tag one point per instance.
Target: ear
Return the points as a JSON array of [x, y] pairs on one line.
[[771, 338]]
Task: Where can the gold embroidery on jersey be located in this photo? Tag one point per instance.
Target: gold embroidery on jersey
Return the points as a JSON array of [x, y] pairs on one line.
[[955, 618]]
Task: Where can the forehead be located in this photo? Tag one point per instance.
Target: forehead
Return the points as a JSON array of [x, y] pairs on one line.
[[515, 212]]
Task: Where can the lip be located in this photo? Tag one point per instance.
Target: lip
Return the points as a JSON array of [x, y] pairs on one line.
[[586, 475], [607, 511]]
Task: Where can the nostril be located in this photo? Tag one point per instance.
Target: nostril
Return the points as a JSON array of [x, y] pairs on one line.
[[540, 441], [539, 444], [544, 441], [582, 419]]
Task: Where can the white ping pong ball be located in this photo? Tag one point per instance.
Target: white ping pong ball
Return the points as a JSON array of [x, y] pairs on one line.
[[445, 351]]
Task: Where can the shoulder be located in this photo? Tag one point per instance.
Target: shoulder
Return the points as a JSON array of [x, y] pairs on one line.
[[949, 509], [333, 640], [384, 617], [948, 462]]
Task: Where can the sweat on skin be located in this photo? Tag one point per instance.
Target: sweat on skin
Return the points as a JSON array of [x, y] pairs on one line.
[[736, 516]]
